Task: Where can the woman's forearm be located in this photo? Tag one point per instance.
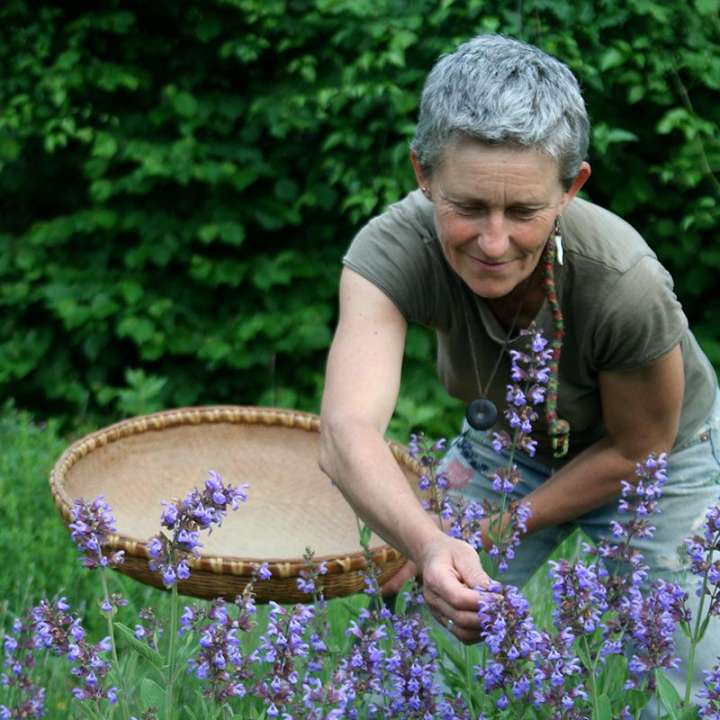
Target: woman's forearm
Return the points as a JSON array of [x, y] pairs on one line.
[[588, 481], [357, 458]]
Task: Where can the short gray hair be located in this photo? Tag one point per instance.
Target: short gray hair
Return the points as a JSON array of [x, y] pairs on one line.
[[497, 90]]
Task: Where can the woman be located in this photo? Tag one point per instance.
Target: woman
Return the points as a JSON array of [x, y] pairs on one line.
[[499, 156]]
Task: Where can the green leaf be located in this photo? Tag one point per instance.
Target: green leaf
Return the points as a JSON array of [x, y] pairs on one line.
[[185, 104], [139, 329], [9, 148], [105, 146], [143, 649], [703, 627], [132, 291], [669, 696], [584, 657], [690, 713], [615, 674], [604, 708], [674, 119], [708, 7], [286, 189], [365, 535], [151, 694], [207, 233], [611, 58], [637, 699], [232, 233]]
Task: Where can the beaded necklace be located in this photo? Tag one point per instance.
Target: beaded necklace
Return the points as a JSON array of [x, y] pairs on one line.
[[482, 413]]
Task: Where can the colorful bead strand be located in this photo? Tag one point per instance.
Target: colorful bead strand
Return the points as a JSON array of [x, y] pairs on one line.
[[558, 428]]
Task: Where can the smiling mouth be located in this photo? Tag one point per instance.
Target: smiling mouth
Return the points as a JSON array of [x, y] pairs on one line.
[[490, 263]]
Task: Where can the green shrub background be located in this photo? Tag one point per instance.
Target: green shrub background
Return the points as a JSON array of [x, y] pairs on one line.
[[179, 181]]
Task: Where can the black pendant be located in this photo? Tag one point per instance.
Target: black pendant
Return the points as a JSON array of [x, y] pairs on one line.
[[481, 414]]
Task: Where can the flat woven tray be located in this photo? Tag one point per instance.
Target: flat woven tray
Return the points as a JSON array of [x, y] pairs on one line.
[[291, 504]]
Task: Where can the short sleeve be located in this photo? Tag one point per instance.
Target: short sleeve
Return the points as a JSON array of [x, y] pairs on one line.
[[638, 318], [397, 257]]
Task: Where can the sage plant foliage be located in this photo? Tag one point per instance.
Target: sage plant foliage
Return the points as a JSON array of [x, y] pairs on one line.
[[604, 650], [608, 638], [180, 180]]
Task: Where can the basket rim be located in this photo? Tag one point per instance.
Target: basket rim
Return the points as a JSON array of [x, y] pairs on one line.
[[210, 414]]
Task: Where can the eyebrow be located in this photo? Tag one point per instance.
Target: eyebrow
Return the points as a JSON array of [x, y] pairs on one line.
[[529, 203]]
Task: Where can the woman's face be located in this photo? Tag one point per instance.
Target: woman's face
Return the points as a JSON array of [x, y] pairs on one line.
[[495, 207]]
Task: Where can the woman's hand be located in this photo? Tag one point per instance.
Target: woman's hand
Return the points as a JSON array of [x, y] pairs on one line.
[[452, 575], [410, 570]]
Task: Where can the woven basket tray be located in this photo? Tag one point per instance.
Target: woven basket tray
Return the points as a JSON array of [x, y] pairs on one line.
[[291, 504]]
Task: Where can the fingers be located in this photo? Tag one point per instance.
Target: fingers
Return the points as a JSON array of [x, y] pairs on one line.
[[470, 570], [455, 582], [465, 626], [451, 575]]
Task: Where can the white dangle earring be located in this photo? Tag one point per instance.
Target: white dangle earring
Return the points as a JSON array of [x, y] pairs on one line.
[[557, 239]]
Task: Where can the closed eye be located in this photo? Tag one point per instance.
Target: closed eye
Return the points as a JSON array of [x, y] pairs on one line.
[[470, 209], [516, 212], [520, 212]]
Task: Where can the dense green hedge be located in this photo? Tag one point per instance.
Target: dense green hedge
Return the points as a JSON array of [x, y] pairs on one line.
[[179, 180]]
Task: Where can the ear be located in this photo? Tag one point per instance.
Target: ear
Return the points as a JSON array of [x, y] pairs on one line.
[[423, 179], [580, 179]]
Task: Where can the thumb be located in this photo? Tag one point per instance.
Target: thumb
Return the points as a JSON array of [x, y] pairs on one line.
[[470, 570]]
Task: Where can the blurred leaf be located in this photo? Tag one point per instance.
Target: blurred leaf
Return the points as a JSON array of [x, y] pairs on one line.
[[668, 694], [604, 708], [152, 695]]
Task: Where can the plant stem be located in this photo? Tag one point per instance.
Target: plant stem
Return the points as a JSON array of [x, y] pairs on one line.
[[172, 653], [495, 525], [469, 682], [593, 679], [694, 639], [116, 663]]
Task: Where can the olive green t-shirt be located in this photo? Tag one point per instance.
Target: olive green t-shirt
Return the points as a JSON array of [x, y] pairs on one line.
[[617, 300]]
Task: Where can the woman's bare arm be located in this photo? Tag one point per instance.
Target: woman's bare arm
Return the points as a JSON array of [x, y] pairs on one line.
[[641, 412], [361, 389]]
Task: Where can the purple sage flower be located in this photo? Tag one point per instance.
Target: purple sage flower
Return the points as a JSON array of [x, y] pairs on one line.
[[309, 579], [219, 661], [513, 643], [580, 597], [56, 629], [411, 668], [90, 525], [18, 663], [530, 374], [199, 510], [502, 548], [651, 623], [432, 482], [704, 552], [558, 678], [710, 694], [639, 500]]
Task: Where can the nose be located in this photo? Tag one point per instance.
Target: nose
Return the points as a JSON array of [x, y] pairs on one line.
[[493, 238]]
